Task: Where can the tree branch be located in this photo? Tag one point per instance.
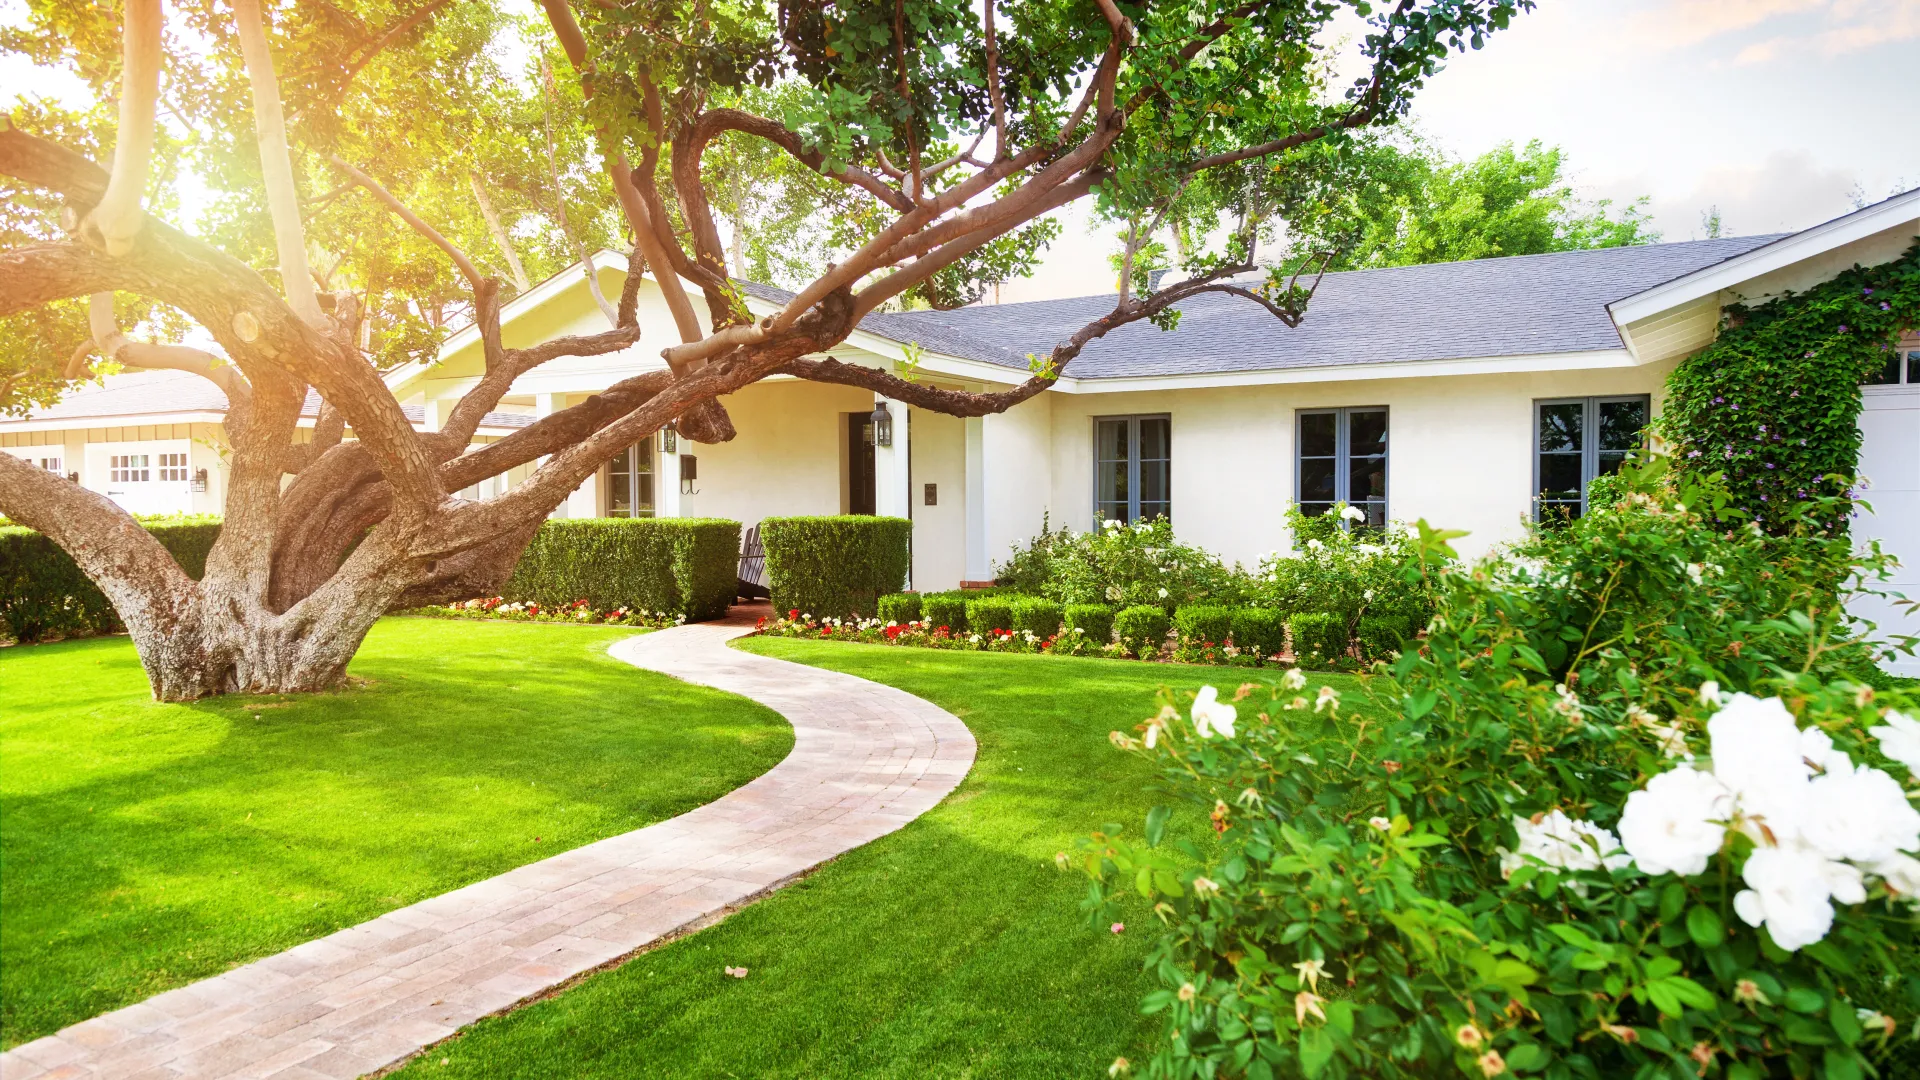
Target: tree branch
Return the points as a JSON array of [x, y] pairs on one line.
[[467, 269], [117, 220], [714, 121], [283, 198], [116, 346]]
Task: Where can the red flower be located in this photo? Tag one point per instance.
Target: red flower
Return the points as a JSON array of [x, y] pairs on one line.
[[793, 613]]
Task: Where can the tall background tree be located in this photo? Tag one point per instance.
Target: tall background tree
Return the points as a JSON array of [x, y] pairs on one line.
[[377, 135]]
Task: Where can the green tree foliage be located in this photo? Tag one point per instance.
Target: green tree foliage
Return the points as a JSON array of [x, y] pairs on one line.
[[1774, 402]]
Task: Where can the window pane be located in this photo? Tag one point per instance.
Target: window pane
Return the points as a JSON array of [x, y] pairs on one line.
[[1316, 481], [1889, 372], [1110, 442], [1112, 511], [1560, 476], [1913, 367], [1560, 426], [1367, 479], [1155, 440], [1317, 434], [1112, 483], [620, 485], [1153, 481], [1620, 424], [1376, 511], [1558, 513], [1315, 509], [645, 505], [1367, 433], [1149, 510]]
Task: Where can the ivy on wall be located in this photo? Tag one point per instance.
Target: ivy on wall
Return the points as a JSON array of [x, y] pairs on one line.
[[1774, 402]]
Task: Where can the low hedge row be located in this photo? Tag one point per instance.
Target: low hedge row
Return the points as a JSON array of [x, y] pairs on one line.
[[43, 594], [835, 566], [687, 566], [1318, 638]]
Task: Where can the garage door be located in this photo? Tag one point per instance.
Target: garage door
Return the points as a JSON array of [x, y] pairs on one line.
[[1890, 459]]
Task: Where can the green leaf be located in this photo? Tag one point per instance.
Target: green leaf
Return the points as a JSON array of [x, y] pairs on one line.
[[1845, 1023], [1705, 927], [1316, 1051], [1526, 1057], [1157, 824], [1804, 1000], [1841, 1064], [1673, 900]]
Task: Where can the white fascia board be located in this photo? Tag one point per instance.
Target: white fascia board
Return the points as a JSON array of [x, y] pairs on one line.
[[1598, 359], [1786, 251], [86, 423]]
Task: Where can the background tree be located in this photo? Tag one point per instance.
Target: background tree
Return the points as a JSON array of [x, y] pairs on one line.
[[962, 125]]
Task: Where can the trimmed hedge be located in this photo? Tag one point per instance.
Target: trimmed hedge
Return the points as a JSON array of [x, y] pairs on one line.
[[1037, 616], [685, 566], [43, 594], [835, 566], [902, 608], [1260, 628], [948, 609], [1142, 629], [1093, 620], [989, 613], [1317, 637], [1204, 623], [1382, 635]]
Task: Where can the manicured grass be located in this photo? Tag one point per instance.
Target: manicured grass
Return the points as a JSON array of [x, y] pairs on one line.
[[953, 948], [143, 845]]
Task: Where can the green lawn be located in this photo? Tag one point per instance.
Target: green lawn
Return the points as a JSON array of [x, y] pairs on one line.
[[144, 845], [953, 948]]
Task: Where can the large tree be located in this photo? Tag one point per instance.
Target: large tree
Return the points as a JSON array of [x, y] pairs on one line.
[[959, 124]]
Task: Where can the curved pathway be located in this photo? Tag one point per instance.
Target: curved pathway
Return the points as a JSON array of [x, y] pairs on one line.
[[866, 760]]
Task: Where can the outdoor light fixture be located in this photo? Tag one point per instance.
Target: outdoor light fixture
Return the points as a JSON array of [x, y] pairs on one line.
[[689, 472], [199, 482], [882, 425], [669, 439]]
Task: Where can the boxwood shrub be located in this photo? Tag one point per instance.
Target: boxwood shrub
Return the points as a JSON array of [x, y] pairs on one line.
[[1036, 615], [835, 566], [1093, 620], [1381, 636], [1260, 628], [901, 607], [43, 594], [989, 613], [1318, 637], [1142, 629], [948, 609], [687, 566], [1204, 623]]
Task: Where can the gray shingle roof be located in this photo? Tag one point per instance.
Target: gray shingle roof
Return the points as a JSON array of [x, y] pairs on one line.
[[1514, 306], [129, 396]]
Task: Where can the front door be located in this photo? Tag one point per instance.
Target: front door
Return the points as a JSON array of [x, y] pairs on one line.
[[860, 463]]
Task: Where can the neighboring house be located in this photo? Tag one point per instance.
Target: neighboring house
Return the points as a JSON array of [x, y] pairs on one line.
[[1463, 393]]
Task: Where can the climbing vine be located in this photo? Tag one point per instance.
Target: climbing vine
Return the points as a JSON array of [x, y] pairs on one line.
[[1774, 402]]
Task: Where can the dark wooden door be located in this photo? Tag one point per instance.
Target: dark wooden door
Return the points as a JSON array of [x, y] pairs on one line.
[[860, 489]]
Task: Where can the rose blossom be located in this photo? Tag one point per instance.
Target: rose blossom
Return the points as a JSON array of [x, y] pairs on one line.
[[1899, 739], [1673, 824]]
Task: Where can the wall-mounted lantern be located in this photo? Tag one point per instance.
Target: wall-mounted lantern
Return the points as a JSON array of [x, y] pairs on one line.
[[689, 472], [669, 438], [882, 425], [199, 482]]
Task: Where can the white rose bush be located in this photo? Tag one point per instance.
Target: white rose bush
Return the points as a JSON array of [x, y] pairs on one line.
[[1607, 821]]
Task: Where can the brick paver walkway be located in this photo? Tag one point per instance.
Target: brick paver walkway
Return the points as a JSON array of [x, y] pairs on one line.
[[866, 760]]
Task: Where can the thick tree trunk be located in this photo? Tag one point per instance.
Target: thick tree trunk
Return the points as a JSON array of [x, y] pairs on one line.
[[212, 653]]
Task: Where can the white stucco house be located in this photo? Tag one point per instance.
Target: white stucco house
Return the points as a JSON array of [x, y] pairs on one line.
[[1463, 393]]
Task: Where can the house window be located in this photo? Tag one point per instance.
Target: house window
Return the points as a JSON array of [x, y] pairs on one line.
[[1343, 459], [1577, 439], [1902, 368], [630, 482], [1133, 468], [51, 464], [128, 469], [173, 467]]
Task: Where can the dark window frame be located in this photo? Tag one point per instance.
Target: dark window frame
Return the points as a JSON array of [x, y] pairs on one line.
[[1133, 421], [1589, 451], [1342, 456], [632, 474], [1903, 365]]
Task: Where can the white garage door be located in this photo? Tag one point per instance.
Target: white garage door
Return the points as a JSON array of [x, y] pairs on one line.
[[1890, 459]]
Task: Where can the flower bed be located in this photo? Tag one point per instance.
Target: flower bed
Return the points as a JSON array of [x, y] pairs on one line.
[[579, 612], [1068, 641]]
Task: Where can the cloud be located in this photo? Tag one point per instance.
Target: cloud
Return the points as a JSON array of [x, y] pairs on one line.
[[1827, 27], [1787, 190], [1681, 23]]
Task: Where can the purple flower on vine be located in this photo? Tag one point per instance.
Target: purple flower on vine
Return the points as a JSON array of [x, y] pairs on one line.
[[1884, 306], [1719, 400], [1795, 394], [1693, 453], [1843, 328], [1867, 292]]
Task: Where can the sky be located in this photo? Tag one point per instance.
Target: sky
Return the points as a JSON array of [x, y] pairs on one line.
[[1777, 112], [1774, 111]]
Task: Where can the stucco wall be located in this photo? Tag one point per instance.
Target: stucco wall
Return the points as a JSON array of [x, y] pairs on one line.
[[87, 451], [939, 531], [1459, 452], [787, 458]]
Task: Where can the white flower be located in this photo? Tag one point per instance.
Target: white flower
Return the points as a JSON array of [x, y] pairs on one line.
[[1369, 550], [1861, 815], [1696, 572], [1380, 823], [1163, 594], [1153, 734], [1329, 698], [1294, 679], [1790, 890], [1902, 874], [1211, 715], [1816, 749], [1353, 513], [1709, 693], [1672, 826], [1314, 545], [1899, 739], [1567, 704], [1564, 844], [1756, 754]]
